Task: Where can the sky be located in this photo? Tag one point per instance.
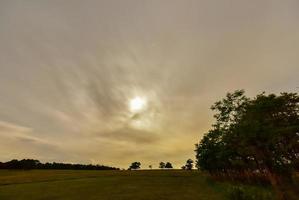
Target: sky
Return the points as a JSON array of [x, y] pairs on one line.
[[116, 81]]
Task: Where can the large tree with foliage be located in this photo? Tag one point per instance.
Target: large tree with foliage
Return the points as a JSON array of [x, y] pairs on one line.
[[252, 137]]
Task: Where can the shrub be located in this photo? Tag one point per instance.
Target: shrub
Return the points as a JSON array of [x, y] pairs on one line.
[[241, 193]]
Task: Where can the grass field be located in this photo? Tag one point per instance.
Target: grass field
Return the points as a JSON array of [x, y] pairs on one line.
[[110, 185]]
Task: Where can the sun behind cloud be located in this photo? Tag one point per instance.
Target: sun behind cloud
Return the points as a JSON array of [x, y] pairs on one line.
[[137, 104]]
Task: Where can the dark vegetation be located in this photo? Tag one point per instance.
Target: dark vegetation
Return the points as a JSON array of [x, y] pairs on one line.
[[162, 165], [135, 165], [36, 164], [188, 165], [167, 165], [254, 140]]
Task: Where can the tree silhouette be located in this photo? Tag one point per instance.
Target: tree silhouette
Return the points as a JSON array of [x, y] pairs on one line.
[[168, 165], [253, 137], [189, 164], [135, 165], [35, 164], [162, 165]]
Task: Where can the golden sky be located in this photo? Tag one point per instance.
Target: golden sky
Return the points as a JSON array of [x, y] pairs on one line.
[[118, 81]]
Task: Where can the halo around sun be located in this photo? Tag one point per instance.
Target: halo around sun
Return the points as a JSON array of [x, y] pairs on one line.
[[137, 104]]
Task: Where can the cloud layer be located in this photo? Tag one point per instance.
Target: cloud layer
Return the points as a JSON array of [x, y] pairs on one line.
[[68, 70]]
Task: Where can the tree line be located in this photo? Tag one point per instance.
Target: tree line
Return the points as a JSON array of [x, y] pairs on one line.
[[253, 139], [36, 164], [163, 165]]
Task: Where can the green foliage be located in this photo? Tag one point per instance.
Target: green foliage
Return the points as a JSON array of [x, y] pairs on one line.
[[215, 152], [252, 137]]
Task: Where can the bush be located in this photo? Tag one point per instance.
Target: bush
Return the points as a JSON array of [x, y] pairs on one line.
[[241, 193]]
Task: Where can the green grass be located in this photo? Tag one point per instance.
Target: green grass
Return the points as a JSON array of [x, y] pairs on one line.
[[110, 185]]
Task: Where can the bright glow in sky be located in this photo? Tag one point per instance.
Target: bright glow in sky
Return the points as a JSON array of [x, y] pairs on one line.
[[137, 104]]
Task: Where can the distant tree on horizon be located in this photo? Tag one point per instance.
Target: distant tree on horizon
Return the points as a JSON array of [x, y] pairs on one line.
[[162, 165], [168, 165], [135, 165], [189, 164]]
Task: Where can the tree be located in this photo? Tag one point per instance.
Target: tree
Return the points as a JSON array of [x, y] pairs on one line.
[[268, 131], [162, 165], [188, 165], [135, 165], [252, 137], [168, 165], [230, 109], [211, 152]]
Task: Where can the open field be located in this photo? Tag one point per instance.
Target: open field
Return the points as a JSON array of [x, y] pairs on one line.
[[104, 185]]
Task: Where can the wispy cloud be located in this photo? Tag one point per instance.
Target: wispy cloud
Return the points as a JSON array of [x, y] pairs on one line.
[[67, 74]]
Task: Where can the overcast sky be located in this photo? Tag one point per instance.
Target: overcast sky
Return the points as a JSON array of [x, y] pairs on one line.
[[69, 69]]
